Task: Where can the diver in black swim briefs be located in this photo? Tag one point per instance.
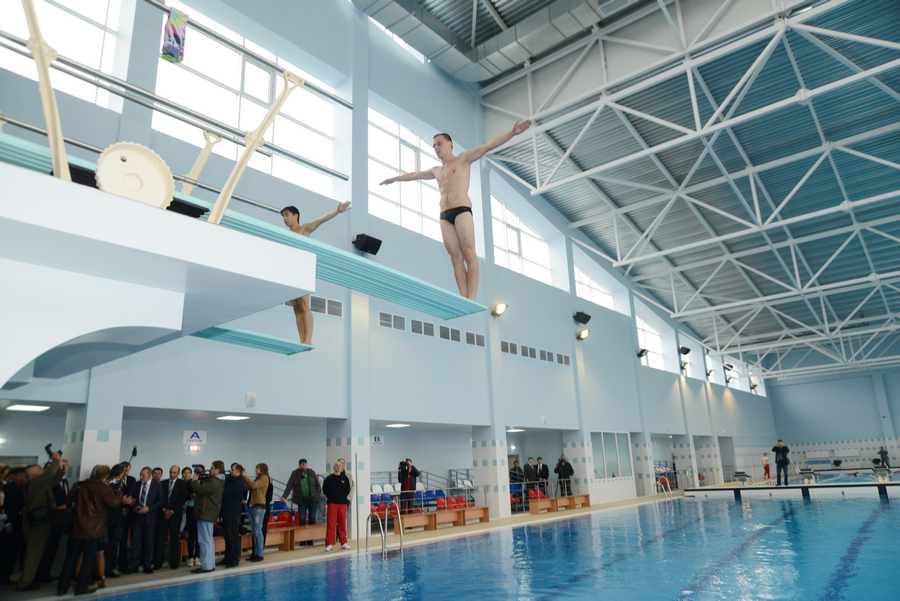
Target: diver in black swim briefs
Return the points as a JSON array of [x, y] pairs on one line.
[[451, 214], [458, 228]]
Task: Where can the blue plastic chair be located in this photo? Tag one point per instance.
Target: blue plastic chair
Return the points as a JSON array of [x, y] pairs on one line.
[[375, 499], [386, 498], [515, 489], [440, 494], [279, 506], [419, 497]]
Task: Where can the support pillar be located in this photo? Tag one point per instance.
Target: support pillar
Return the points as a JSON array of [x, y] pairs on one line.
[[489, 452], [343, 440], [94, 430], [578, 452]]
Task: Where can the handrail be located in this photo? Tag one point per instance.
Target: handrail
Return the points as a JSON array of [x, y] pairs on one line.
[[247, 52], [399, 522], [181, 178], [369, 530], [163, 105]]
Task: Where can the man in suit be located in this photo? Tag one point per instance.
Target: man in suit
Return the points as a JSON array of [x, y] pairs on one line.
[[543, 474], [564, 471], [127, 483], [175, 492], [530, 474], [60, 492], [146, 500], [13, 504]]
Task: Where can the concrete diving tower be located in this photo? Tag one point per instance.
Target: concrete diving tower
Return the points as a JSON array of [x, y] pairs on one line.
[[87, 277]]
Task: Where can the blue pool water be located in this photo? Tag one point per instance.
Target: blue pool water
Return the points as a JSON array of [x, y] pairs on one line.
[[685, 550]]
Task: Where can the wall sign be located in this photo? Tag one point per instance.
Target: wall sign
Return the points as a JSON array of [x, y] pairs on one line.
[[195, 436], [378, 441]]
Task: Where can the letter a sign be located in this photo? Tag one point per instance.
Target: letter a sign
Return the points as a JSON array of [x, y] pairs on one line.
[[195, 436]]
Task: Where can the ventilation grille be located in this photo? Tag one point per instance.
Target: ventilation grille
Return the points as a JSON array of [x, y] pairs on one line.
[[530, 352], [429, 329], [470, 338], [547, 356], [479, 340], [399, 323], [324, 306], [445, 333], [416, 327], [543, 355], [513, 350], [335, 308], [317, 304], [455, 335], [386, 320], [504, 346]]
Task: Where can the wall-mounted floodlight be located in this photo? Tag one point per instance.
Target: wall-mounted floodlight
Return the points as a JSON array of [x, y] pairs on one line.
[[582, 318], [684, 350], [754, 386], [642, 353], [710, 373], [730, 379], [728, 366], [582, 334], [685, 365], [499, 309]]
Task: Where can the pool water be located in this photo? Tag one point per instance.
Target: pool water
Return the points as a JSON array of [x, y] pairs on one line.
[[683, 550]]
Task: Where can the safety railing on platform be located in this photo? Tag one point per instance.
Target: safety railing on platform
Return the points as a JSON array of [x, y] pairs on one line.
[[522, 493]]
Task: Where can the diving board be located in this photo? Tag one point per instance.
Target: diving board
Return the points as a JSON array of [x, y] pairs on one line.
[[252, 340], [332, 264]]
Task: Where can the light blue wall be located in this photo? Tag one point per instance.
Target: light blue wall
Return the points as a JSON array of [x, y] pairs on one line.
[[432, 451], [28, 434]]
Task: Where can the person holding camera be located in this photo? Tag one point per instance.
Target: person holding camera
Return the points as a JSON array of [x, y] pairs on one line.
[[781, 461], [232, 508], [207, 505], [336, 489], [564, 472], [39, 504], [406, 475], [258, 507]]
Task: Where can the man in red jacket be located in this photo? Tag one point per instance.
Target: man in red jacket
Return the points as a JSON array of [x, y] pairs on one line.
[[92, 499]]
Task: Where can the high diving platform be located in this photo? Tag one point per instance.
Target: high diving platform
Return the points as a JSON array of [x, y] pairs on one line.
[[91, 277]]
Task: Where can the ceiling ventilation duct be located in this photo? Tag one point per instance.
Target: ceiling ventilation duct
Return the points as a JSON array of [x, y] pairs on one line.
[[539, 32]]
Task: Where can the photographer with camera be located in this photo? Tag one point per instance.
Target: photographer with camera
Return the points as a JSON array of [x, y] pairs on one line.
[[232, 508], [208, 489], [406, 475], [781, 461], [564, 471], [39, 504]]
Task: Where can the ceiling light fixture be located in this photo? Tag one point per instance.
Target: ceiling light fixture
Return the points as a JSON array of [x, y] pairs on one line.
[[582, 334], [397, 426], [499, 309], [233, 418], [32, 408], [513, 430]]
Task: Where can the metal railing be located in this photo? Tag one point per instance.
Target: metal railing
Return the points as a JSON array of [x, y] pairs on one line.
[[549, 488], [461, 475], [150, 100], [429, 481]]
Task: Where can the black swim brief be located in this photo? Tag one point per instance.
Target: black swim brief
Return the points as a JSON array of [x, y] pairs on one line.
[[451, 214]]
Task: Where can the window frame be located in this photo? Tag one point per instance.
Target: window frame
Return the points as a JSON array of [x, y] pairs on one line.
[[606, 297], [519, 232], [651, 358]]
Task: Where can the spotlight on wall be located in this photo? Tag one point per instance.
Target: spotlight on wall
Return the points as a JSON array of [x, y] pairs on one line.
[[754, 386], [367, 244], [582, 318], [728, 366], [582, 334], [710, 373], [685, 365], [499, 309], [194, 448], [730, 379], [642, 353], [684, 350]]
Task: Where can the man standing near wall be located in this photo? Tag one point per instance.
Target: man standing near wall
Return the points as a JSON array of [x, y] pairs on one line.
[[530, 474], [781, 461], [39, 504], [291, 217], [564, 472], [457, 223], [175, 493], [543, 474], [307, 491]]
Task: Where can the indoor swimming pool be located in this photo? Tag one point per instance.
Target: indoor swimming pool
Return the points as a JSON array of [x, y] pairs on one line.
[[686, 549]]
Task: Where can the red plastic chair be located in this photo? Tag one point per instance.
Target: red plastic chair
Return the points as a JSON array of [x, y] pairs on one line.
[[541, 495], [664, 480], [532, 494], [382, 509], [374, 509], [451, 503], [285, 518], [461, 501], [441, 503]]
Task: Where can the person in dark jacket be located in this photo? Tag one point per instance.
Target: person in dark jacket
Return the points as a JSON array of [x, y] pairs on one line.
[[175, 492], [232, 508], [564, 472], [13, 503], [126, 521], [94, 500], [60, 492], [38, 494], [117, 535], [336, 488], [307, 492], [530, 474], [147, 500], [406, 475], [207, 505], [781, 461]]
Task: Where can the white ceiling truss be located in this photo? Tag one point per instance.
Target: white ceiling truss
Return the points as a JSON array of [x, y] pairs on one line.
[[740, 163]]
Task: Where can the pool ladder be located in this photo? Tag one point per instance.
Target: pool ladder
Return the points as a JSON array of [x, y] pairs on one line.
[[381, 529], [662, 488], [692, 480]]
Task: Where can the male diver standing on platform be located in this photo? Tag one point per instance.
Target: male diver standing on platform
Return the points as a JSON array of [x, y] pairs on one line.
[[291, 218], [457, 223]]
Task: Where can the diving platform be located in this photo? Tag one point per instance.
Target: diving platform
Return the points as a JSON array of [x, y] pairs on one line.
[[252, 340], [332, 264], [89, 277]]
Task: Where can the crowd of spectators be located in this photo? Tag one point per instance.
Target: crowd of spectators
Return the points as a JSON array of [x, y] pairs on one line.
[[113, 523]]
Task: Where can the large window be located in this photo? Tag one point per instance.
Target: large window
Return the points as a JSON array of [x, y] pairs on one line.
[[517, 246], [224, 84], [77, 29], [612, 457], [588, 288], [395, 150], [649, 339]]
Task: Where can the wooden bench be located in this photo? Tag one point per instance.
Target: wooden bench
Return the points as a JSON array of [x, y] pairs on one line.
[[535, 505], [283, 537], [414, 520], [458, 517], [301, 534], [581, 500], [557, 503]]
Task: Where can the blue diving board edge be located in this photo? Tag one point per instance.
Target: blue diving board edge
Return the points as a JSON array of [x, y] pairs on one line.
[[252, 340], [332, 264]]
